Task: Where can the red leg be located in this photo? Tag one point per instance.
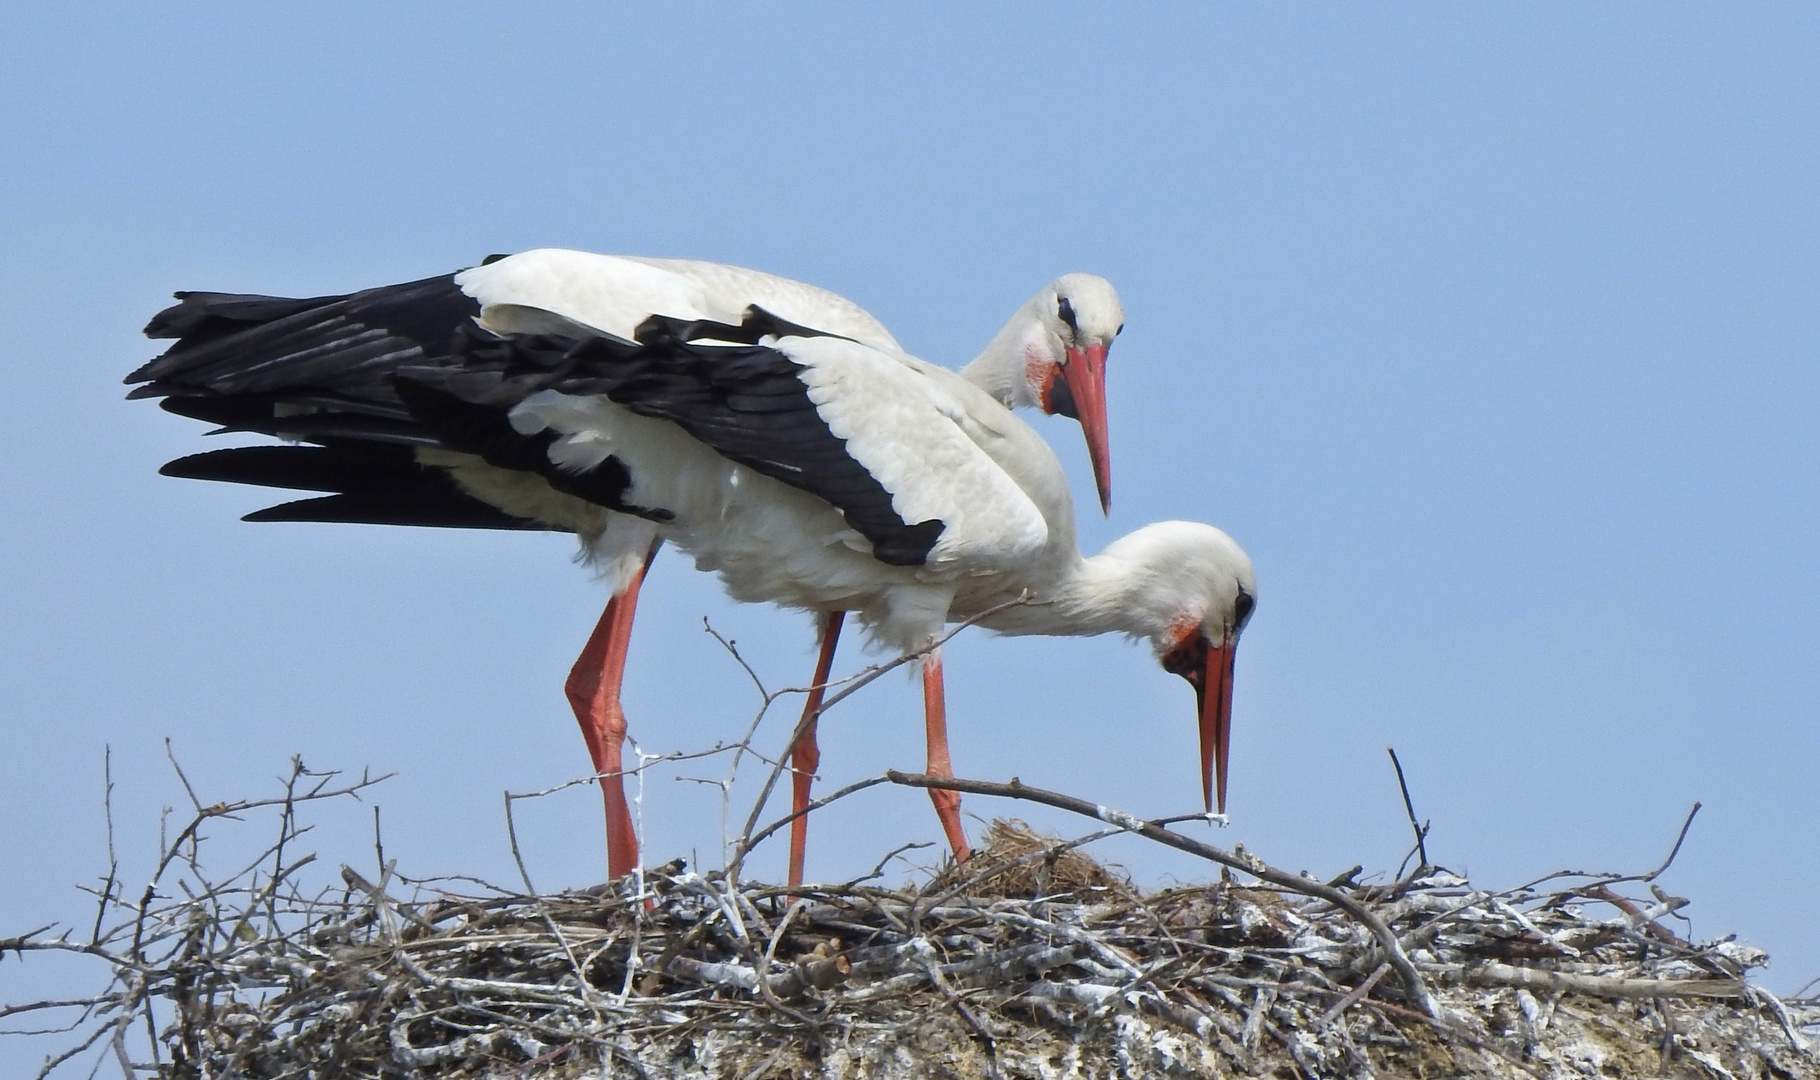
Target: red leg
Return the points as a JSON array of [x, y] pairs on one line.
[[935, 716], [593, 691], [804, 755]]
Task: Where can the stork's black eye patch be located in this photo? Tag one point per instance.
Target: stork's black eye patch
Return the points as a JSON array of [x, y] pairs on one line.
[[1066, 310], [1241, 609]]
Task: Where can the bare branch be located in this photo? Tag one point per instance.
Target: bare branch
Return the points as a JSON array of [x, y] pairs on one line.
[[1409, 807], [859, 682], [1676, 850], [1412, 980], [732, 648], [272, 967]]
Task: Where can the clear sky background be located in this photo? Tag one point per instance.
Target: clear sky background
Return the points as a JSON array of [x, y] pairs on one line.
[[1489, 332]]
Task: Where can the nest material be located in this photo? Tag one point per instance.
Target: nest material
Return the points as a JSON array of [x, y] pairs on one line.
[[1018, 861], [1032, 961]]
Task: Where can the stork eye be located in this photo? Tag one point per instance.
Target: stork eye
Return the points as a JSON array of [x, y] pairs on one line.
[[1066, 310], [1241, 610], [1119, 331]]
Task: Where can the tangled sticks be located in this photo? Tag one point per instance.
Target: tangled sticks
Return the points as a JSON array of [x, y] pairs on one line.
[[1030, 961]]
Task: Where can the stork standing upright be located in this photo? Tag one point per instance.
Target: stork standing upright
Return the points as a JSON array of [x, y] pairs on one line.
[[807, 469], [321, 370]]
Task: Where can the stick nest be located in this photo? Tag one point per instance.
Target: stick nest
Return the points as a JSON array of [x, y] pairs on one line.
[[1031, 961]]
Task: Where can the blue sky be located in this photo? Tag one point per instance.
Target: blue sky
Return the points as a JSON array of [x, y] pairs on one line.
[[1489, 332]]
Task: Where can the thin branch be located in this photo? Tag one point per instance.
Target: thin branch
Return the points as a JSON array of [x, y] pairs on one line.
[[1676, 850], [1354, 995], [860, 682], [113, 860], [732, 648], [1413, 982], [747, 845], [1409, 807], [171, 756], [878, 869]]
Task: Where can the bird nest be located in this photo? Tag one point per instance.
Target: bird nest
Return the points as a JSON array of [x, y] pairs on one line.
[[1032, 960]]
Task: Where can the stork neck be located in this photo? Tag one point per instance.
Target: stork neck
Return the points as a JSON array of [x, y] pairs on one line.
[[1002, 367], [1104, 594]]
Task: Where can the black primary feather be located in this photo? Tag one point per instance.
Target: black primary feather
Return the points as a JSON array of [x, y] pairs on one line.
[[347, 345], [320, 370], [372, 483], [746, 401], [406, 366]]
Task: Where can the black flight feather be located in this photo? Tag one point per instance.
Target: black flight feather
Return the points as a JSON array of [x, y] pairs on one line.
[[369, 376], [672, 375], [321, 370], [373, 484]]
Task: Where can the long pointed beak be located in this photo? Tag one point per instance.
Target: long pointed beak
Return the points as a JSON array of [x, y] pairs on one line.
[[1085, 374], [1213, 691]]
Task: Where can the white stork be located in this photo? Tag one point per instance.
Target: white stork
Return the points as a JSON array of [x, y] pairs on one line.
[[806, 468], [320, 370]]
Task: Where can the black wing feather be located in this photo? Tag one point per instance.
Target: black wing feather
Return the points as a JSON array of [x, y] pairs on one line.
[[704, 388], [481, 428], [420, 508], [373, 483], [321, 370], [229, 344], [370, 375]]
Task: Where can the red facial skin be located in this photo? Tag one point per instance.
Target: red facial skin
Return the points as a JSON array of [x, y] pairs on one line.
[[1209, 668]]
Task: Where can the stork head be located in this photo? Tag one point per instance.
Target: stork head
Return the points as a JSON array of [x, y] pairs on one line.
[[1077, 316], [1191, 591]]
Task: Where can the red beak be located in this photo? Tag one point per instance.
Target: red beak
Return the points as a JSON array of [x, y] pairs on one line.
[[1085, 375], [1209, 668], [1214, 694]]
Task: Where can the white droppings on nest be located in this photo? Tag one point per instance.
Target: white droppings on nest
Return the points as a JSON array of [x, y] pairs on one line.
[[1198, 982], [1032, 961]]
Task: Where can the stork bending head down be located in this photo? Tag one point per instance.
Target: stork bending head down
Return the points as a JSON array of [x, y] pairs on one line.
[[820, 468], [876, 484], [1183, 586]]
